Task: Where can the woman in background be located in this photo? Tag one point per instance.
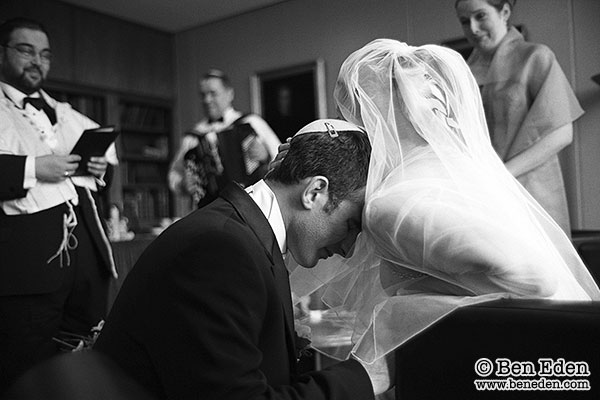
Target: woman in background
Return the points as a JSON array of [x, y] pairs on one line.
[[528, 102]]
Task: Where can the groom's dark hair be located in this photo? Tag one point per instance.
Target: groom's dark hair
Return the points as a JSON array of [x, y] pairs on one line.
[[344, 160]]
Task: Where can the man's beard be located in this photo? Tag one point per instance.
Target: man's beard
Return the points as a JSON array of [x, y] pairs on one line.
[[26, 84]]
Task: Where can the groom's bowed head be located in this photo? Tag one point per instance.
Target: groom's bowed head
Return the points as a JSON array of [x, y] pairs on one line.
[[320, 187]]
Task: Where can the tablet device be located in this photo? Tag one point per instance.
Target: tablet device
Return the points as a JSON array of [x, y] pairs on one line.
[[93, 143]]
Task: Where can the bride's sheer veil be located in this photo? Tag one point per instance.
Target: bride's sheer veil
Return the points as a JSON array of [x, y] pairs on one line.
[[422, 110], [407, 97]]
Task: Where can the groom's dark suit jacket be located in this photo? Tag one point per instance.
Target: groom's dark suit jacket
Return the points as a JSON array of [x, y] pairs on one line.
[[206, 313]]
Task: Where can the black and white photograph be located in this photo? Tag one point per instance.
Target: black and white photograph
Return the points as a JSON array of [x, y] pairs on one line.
[[299, 199]]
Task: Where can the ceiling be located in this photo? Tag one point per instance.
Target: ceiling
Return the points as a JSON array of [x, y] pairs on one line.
[[173, 15]]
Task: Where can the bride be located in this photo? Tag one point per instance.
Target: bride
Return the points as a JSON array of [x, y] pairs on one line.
[[445, 224]]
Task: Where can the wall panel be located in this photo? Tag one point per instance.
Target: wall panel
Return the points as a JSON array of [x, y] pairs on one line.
[[97, 50]]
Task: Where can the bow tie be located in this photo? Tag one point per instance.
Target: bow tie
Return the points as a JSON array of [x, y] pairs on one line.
[[40, 104]]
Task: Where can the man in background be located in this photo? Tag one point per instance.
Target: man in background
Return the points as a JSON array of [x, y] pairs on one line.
[[202, 178], [56, 259]]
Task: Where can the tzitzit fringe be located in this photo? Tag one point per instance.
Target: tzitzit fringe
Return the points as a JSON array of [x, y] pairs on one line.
[[113, 268], [69, 241]]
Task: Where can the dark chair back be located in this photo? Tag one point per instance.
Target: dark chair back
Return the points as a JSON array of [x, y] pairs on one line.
[[590, 254], [441, 361]]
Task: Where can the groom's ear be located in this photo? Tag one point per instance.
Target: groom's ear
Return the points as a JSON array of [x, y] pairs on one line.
[[315, 193]]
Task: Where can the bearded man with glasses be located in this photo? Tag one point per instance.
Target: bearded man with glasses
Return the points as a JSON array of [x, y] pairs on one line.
[[57, 261]]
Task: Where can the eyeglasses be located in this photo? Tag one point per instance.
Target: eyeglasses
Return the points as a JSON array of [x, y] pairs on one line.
[[27, 52]]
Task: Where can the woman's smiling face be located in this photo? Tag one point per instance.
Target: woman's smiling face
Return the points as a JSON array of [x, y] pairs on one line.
[[483, 24]]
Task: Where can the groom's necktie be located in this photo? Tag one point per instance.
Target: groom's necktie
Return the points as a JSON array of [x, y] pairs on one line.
[[40, 104]]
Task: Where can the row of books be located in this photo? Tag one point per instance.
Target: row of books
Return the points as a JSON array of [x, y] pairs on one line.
[[93, 107], [145, 173], [148, 146], [144, 208], [143, 116]]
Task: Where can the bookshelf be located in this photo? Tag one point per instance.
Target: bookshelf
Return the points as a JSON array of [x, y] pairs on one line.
[[91, 105], [144, 154], [138, 185]]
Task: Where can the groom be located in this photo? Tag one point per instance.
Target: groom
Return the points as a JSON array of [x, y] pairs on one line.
[[206, 312]]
